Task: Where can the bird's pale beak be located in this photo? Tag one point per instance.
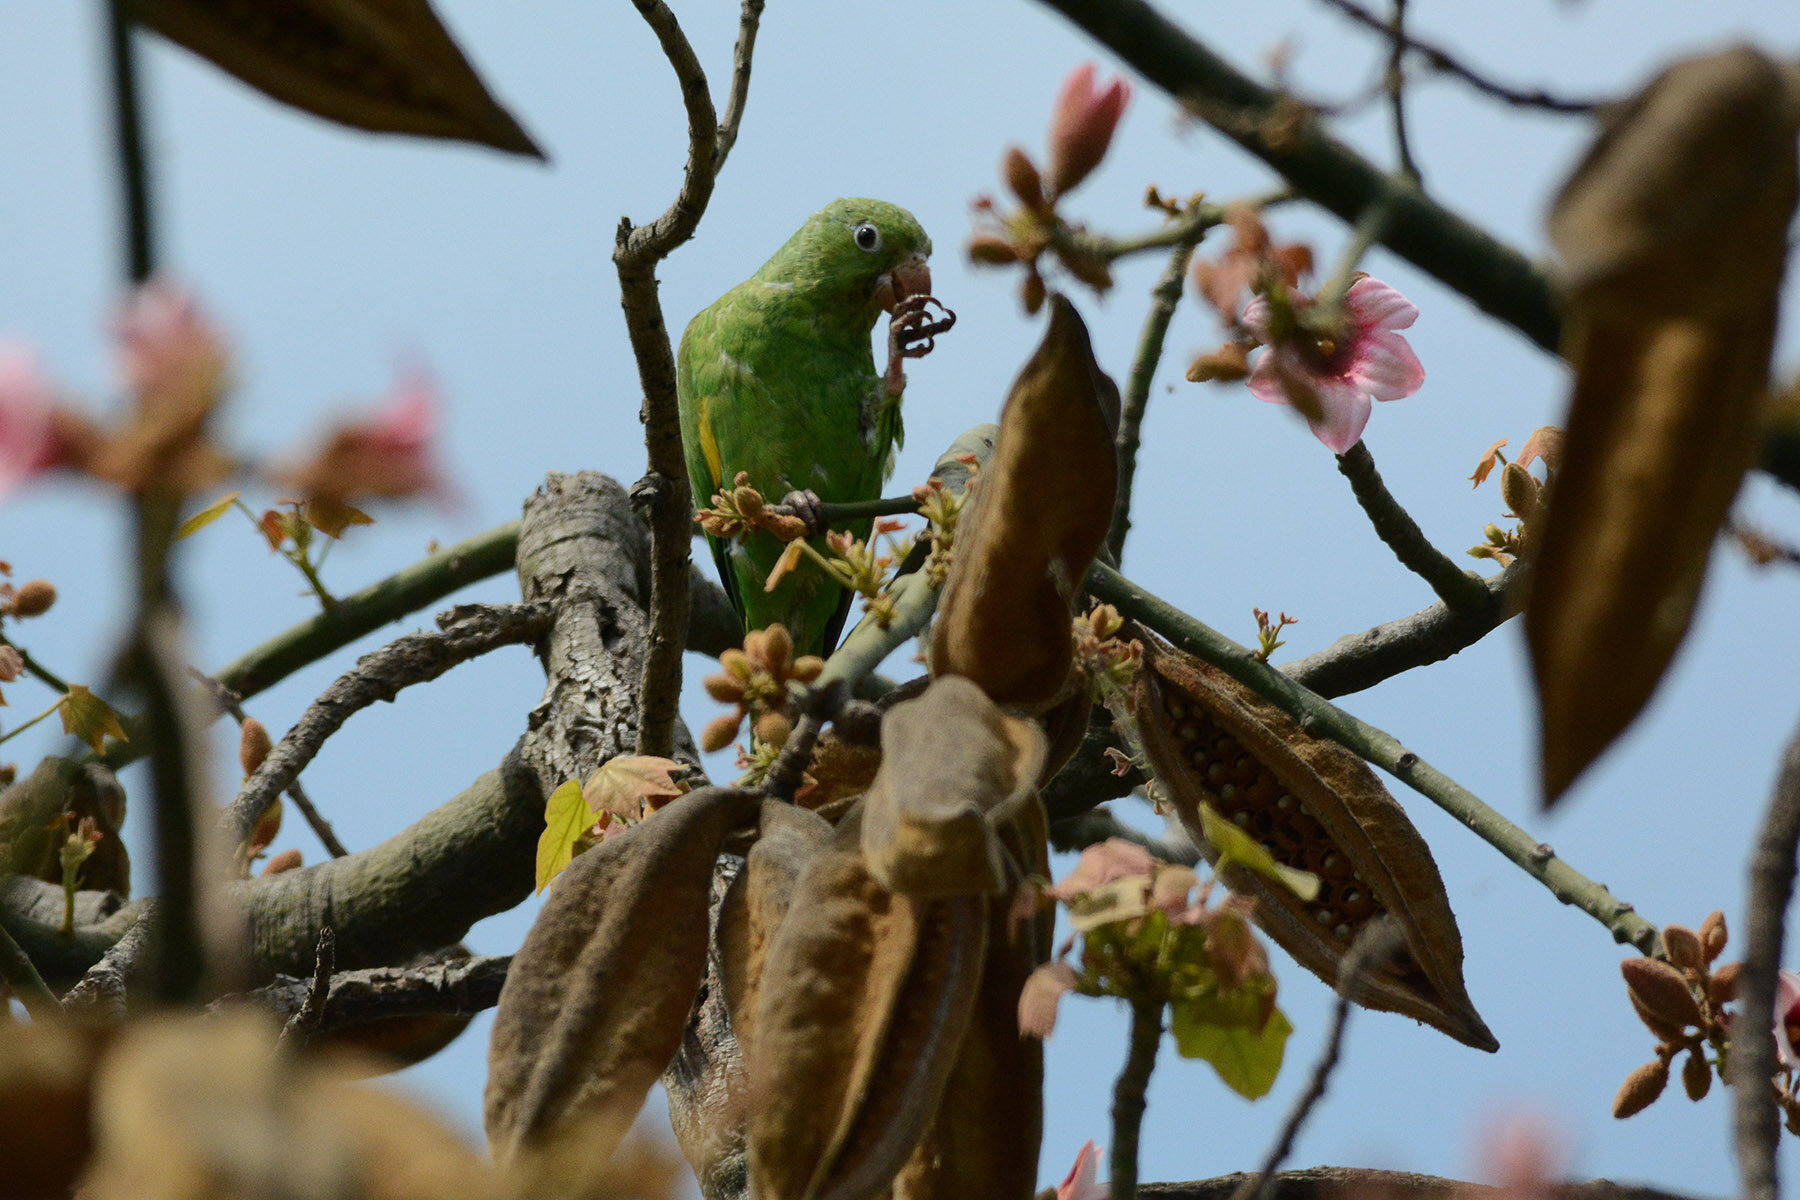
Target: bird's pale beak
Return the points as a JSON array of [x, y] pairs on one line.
[[910, 277]]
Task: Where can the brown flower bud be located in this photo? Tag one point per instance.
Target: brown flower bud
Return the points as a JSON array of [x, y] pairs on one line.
[[8, 773], [1519, 488], [806, 668], [1683, 947], [1228, 364], [772, 728], [1661, 989], [1722, 988], [720, 731], [1665, 1030], [1032, 292], [1640, 1088], [778, 649], [992, 251], [724, 687], [1713, 934], [254, 745], [1021, 175], [1696, 1075], [33, 599], [12, 664], [267, 827]]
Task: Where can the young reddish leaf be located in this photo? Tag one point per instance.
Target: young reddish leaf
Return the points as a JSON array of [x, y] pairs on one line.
[[274, 526], [206, 516], [390, 67], [1673, 233], [1488, 461], [331, 517], [89, 717], [631, 786], [567, 819]]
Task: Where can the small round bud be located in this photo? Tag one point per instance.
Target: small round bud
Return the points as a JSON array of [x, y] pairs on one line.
[[1519, 488], [720, 731], [254, 745], [287, 860], [992, 251], [1696, 1075], [1722, 988], [33, 599], [778, 647], [773, 728], [1021, 175], [1683, 947], [1713, 934], [1640, 1088], [1032, 292], [806, 668]]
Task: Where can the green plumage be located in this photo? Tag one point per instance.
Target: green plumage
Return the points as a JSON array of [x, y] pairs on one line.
[[777, 380]]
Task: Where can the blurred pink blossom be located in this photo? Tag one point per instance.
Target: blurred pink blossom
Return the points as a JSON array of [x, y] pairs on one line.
[[1103, 863], [1787, 1018], [169, 353], [389, 453], [1082, 125], [1330, 384], [1081, 1184], [28, 437]]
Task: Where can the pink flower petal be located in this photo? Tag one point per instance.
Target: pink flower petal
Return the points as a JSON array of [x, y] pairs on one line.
[[1787, 1000], [1346, 414], [1104, 863], [27, 434], [1081, 1183], [1043, 991], [1256, 317], [1386, 367], [1375, 305]]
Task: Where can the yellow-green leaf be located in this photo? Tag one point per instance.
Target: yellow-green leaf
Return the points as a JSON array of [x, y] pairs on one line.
[[631, 786], [206, 516], [332, 517], [566, 818], [1247, 1059], [1236, 846], [89, 717]]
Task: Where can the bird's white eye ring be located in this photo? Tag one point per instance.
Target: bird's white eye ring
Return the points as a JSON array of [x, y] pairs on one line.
[[867, 237]]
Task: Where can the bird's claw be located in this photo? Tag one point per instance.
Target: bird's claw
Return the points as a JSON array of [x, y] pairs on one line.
[[912, 333], [809, 508]]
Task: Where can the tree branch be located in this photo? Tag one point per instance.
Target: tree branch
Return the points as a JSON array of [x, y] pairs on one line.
[[466, 632], [1163, 299], [1456, 587], [1320, 716], [1346, 1183], [1394, 80], [19, 975], [749, 17], [1755, 1123], [1129, 1096], [452, 987]]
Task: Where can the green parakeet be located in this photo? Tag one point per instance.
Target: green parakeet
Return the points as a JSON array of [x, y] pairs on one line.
[[777, 380]]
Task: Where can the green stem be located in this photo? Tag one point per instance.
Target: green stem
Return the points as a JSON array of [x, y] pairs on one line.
[[19, 974], [1457, 588], [857, 510], [44, 674], [16, 730], [1128, 1096], [1318, 715], [1163, 299]]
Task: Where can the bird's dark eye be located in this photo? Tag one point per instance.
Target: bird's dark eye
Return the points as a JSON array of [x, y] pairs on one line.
[[867, 238]]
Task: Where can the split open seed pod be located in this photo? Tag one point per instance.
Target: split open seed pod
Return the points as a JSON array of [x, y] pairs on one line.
[[953, 768], [1039, 515], [1315, 806], [865, 998]]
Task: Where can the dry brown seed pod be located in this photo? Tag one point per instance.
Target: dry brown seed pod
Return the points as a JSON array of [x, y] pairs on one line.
[[1673, 232], [389, 67], [1662, 989], [953, 767], [865, 999], [1033, 526], [598, 996], [1640, 1088], [1316, 806]]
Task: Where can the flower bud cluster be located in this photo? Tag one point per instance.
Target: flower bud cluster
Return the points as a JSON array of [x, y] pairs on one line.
[[1682, 1001], [757, 682]]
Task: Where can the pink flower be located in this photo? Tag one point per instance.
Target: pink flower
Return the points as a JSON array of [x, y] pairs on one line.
[[1787, 1018], [1103, 863], [387, 454], [1082, 124], [171, 356], [1081, 1184], [28, 438], [1330, 381]]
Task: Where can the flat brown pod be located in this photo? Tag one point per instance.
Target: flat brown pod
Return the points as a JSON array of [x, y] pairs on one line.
[[1316, 806], [1673, 233], [598, 995], [1040, 512], [865, 999], [384, 65]]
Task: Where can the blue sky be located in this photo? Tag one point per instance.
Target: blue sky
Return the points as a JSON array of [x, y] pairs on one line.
[[332, 256]]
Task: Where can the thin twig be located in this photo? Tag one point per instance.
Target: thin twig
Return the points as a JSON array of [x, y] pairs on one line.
[[1394, 80], [841, 512], [1456, 587], [1756, 1123], [1128, 1096], [18, 973], [1444, 62], [749, 18], [635, 255], [128, 134], [228, 700], [303, 1024], [1373, 946], [1320, 716], [1136, 398], [102, 990], [467, 632]]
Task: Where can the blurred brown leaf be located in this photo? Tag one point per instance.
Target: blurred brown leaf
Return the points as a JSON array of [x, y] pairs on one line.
[[383, 65], [1315, 806], [1039, 514], [1673, 235], [46, 1071], [597, 997]]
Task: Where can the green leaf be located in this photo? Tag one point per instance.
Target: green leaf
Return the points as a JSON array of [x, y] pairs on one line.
[[567, 819], [206, 516], [1236, 846], [89, 717], [1246, 1059]]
